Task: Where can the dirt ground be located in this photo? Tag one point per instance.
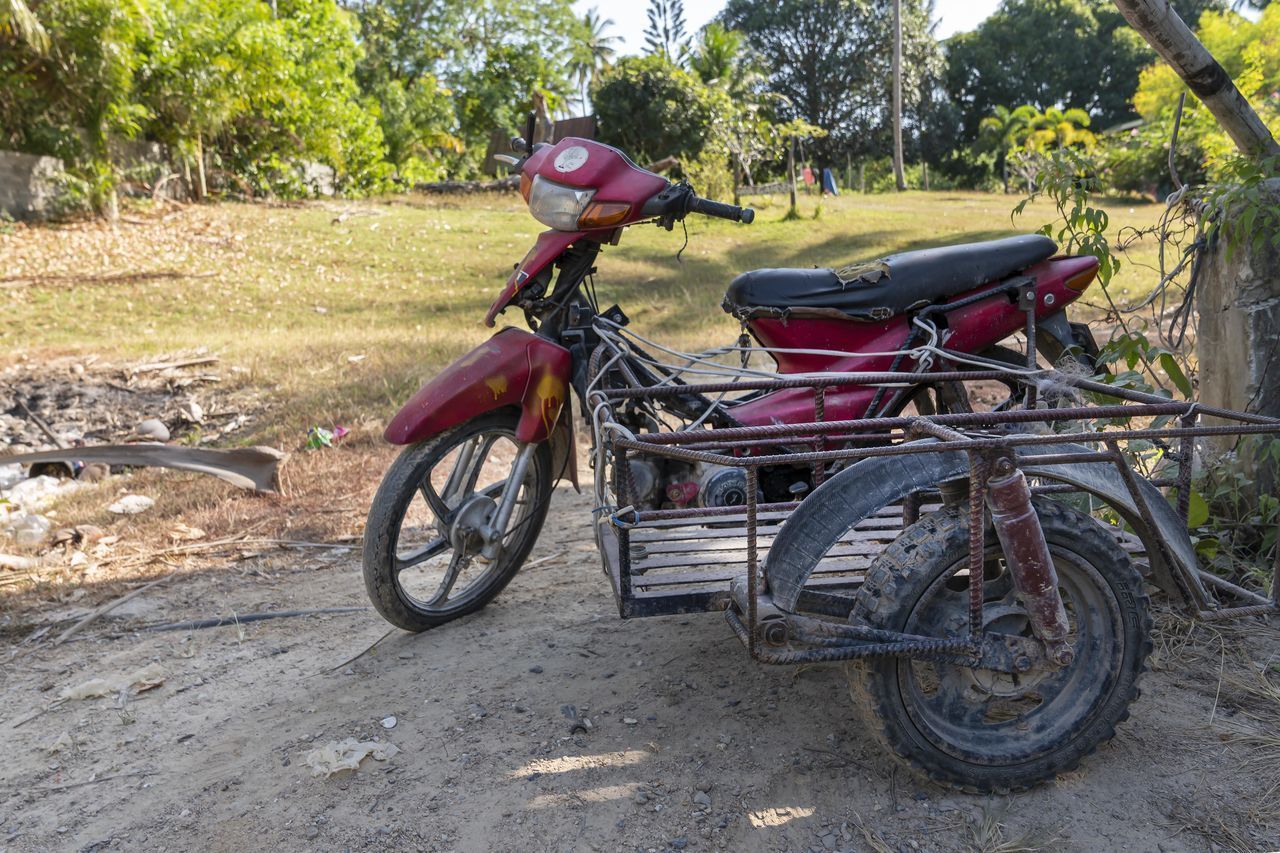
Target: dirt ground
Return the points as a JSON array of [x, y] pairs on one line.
[[691, 745]]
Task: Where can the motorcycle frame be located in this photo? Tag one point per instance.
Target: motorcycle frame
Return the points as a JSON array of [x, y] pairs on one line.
[[789, 621]]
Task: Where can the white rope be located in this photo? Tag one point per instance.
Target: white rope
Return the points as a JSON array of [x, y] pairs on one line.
[[923, 355]]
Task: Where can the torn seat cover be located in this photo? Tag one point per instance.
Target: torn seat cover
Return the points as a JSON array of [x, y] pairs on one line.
[[878, 290]]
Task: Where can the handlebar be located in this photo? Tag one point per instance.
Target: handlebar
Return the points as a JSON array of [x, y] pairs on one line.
[[671, 205], [720, 210]]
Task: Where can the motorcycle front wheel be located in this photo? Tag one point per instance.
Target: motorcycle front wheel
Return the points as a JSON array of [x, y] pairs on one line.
[[427, 559]]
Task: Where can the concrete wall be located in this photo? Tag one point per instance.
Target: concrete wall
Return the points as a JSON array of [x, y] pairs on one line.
[[28, 185], [1239, 332]]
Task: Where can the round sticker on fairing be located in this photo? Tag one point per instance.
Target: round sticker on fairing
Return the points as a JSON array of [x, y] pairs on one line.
[[571, 158]]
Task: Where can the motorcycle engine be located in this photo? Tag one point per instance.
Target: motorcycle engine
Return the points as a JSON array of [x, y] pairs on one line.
[[721, 485]]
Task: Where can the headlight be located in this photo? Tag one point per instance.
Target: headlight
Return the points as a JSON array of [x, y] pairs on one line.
[[557, 206]]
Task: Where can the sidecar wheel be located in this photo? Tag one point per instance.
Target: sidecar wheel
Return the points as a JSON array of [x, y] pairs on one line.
[[983, 731], [420, 568]]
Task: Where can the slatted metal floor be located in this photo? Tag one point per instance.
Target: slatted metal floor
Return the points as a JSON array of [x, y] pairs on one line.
[[702, 554]]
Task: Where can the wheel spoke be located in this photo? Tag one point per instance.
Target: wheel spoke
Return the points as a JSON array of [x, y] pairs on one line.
[[433, 548], [434, 501], [456, 565], [477, 463], [461, 468]]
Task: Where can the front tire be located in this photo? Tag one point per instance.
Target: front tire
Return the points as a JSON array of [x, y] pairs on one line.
[[983, 731], [421, 566]]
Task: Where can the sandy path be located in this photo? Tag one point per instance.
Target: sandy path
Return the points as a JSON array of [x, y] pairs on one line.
[[775, 757]]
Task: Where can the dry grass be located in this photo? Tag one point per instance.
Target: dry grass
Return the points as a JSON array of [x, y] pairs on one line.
[[989, 834], [336, 311], [341, 308]]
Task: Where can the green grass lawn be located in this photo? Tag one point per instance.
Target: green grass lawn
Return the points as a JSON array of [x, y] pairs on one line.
[[296, 295]]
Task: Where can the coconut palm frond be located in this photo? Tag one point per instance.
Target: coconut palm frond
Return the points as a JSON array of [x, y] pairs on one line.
[[16, 17]]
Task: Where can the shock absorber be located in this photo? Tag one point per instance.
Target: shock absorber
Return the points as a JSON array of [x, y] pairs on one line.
[[1027, 555]]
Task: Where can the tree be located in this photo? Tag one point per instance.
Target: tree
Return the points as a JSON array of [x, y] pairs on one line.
[[1238, 293], [1230, 48], [1003, 131], [721, 57], [1047, 53], [72, 99], [651, 109], [594, 53], [665, 34], [19, 21], [899, 178], [1055, 128], [827, 58], [486, 60]]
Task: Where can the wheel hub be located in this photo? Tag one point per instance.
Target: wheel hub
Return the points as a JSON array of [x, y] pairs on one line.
[[1004, 619], [472, 524]]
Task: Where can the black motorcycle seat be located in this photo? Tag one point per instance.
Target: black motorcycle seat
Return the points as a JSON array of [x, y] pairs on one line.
[[878, 290]]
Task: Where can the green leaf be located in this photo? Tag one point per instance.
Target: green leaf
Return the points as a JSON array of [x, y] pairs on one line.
[[1197, 510], [1170, 366]]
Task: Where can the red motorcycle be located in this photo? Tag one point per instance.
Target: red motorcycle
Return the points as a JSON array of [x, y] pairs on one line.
[[459, 510], [824, 483]]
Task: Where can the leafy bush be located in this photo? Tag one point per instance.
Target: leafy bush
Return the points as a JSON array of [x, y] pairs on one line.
[[652, 109]]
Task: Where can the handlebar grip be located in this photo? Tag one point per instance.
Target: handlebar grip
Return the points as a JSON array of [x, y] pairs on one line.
[[720, 210]]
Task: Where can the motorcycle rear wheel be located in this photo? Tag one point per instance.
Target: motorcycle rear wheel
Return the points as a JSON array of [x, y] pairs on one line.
[[421, 566], [983, 731]]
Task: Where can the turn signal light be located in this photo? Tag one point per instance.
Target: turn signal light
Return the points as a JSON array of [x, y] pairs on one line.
[[526, 183], [1079, 282], [603, 214]]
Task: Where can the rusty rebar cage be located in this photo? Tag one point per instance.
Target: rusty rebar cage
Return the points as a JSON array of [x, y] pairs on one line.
[[689, 559]]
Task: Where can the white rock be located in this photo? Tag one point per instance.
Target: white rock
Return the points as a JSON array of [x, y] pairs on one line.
[[154, 429]]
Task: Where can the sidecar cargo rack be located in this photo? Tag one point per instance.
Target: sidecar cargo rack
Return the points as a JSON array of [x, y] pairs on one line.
[[689, 562], [684, 559]]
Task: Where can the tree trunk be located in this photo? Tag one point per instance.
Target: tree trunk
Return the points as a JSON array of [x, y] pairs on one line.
[[898, 171], [204, 186], [791, 176], [1160, 25]]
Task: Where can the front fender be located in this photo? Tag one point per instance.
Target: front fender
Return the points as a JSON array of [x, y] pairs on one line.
[[513, 368], [879, 481]]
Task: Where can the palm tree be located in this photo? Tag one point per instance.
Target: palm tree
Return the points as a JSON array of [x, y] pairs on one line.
[[595, 53], [1004, 130], [1055, 128], [720, 58], [17, 18], [665, 34]]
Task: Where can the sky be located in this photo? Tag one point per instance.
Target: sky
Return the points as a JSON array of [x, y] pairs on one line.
[[629, 18]]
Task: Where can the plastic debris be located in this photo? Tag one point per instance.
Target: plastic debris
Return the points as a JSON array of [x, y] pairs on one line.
[[37, 493], [11, 475], [336, 756], [389, 722], [247, 467], [138, 681], [318, 436], [132, 505], [28, 530]]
